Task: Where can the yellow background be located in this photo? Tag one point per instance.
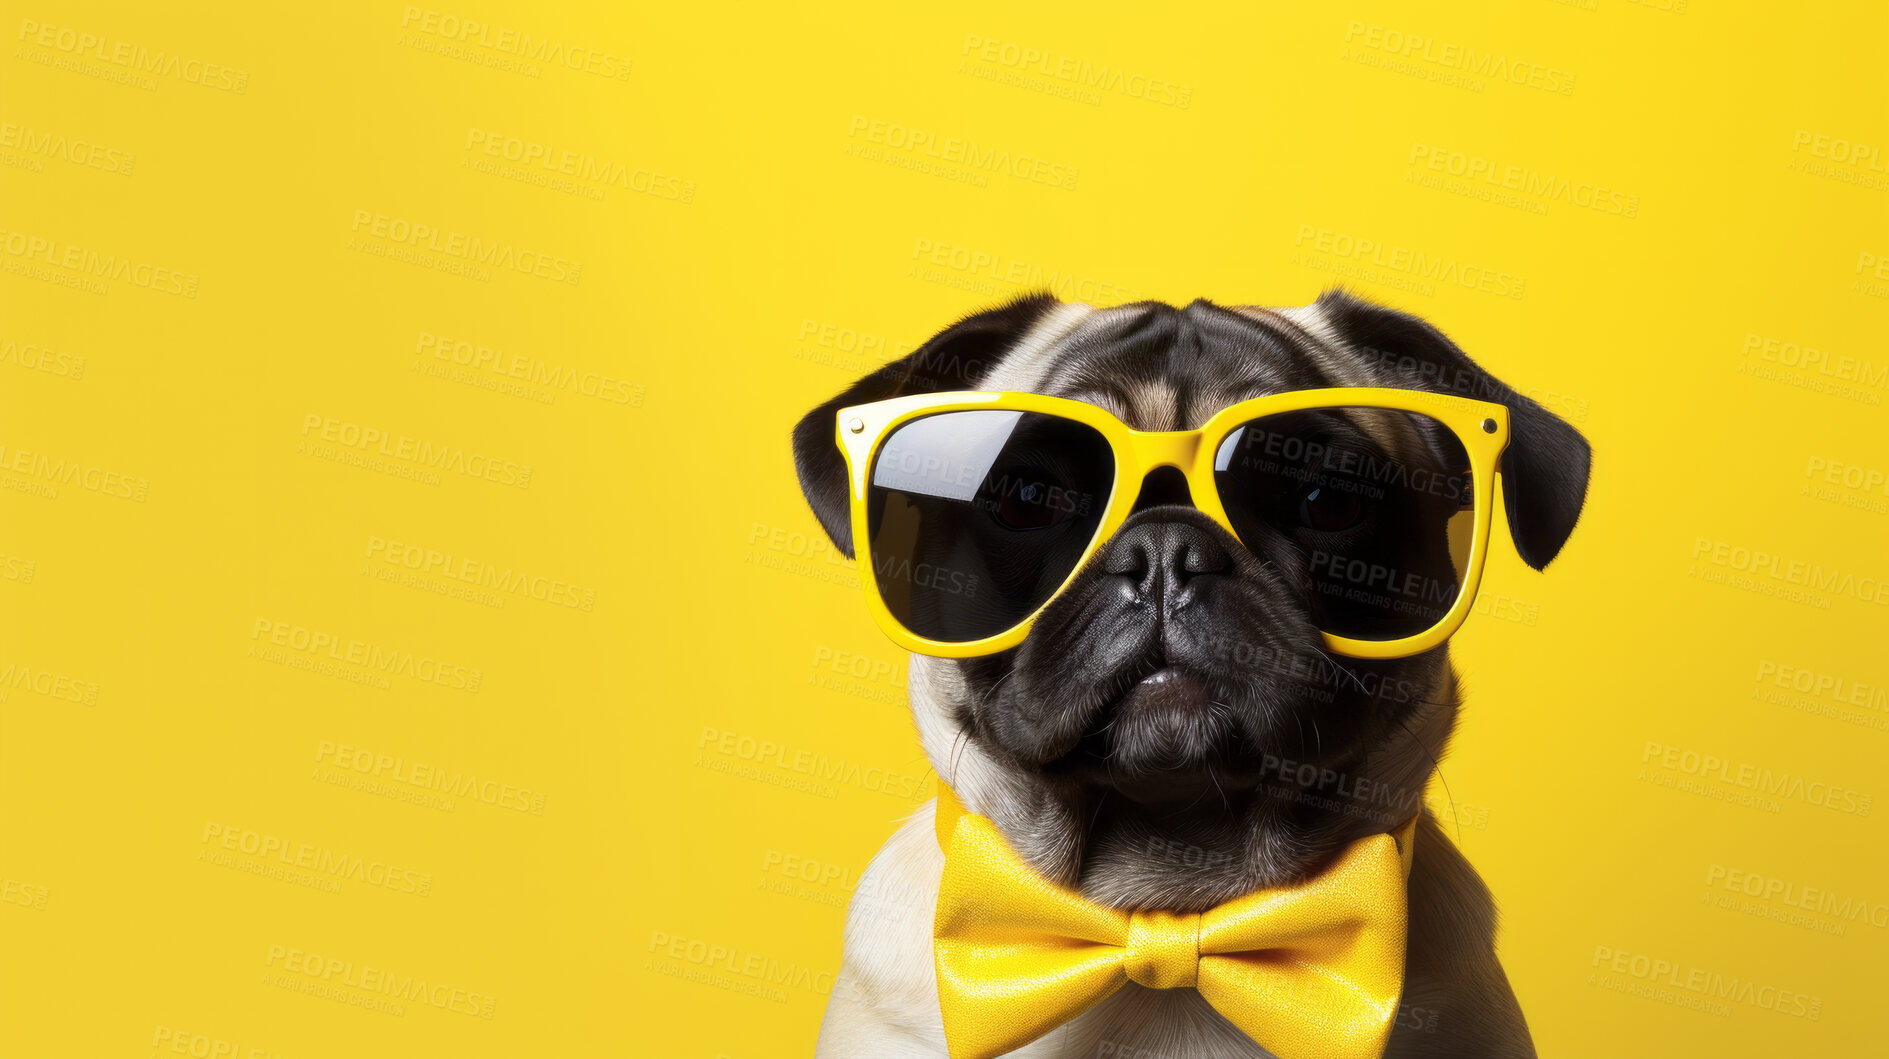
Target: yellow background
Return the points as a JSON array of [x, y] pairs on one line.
[[679, 778]]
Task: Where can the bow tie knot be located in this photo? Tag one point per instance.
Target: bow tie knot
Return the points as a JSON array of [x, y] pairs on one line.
[[1162, 949]]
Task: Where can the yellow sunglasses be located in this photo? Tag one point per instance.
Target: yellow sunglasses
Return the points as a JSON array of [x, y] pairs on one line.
[[972, 511]]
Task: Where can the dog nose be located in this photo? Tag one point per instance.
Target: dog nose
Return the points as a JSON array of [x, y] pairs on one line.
[[1158, 560]]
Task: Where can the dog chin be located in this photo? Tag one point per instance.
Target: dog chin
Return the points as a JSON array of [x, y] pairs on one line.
[[1168, 740]]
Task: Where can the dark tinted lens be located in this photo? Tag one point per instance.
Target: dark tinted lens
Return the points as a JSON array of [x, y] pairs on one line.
[[976, 518], [1373, 505]]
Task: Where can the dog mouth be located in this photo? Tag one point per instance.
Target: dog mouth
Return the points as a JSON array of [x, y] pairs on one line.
[[1167, 739]]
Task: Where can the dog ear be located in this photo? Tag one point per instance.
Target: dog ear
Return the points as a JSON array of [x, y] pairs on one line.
[[952, 360], [1545, 468]]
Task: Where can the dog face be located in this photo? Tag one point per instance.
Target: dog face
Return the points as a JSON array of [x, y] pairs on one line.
[[1172, 729]]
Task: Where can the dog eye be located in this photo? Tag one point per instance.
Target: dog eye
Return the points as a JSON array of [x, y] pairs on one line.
[[1025, 504], [1330, 510]]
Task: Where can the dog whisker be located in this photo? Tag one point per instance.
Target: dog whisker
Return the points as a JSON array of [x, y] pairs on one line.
[[958, 742], [985, 699], [1437, 767], [1355, 679]]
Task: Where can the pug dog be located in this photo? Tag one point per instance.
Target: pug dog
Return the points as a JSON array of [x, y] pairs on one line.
[[1177, 756]]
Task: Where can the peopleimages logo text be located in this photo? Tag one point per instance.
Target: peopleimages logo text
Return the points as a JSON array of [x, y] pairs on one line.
[[470, 248], [473, 33]]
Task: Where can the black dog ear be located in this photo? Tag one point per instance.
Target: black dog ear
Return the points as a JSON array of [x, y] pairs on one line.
[[952, 360], [1545, 468]]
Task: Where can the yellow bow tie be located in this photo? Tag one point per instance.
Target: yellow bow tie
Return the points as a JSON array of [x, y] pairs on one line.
[[1308, 971]]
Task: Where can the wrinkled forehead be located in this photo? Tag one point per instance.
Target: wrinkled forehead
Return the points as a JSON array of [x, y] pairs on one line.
[[1157, 367]]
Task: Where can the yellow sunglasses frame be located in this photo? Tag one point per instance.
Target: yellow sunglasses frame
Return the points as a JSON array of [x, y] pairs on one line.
[[1481, 426]]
